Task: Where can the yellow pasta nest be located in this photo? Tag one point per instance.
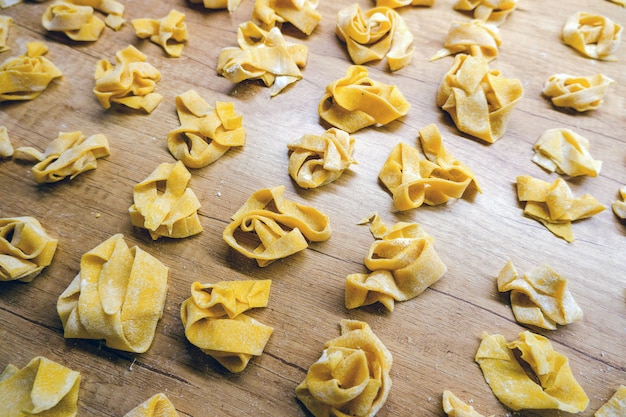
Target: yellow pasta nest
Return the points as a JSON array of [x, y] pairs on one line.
[[263, 55], [395, 4], [27, 76], [214, 321], [357, 101], [556, 388], [413, 180], [302, 14], [156, 406], [578, 93], [206, 132], [492, 11], [69, 155], [231, 5], [169, 32], [403, 262], [351, 378], [619, 206], [5, 23], [615, 406], [454, 407], [6, 147], [475, 38], [592, 35], [25, 248], [118, 296], [268, 227], [165, 205], [540, 298], [377, 33], [76, 18], [554, 205], [565, 152], [319, 160], [131, 82], [42, 388], [479, 100]]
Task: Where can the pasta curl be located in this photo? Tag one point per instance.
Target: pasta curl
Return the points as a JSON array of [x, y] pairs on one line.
[[156, 406], [169, 32], [302, 14], [594, 36], [578, 93]]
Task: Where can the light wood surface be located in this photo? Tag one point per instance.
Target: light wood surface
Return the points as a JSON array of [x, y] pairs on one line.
[[433, 338]]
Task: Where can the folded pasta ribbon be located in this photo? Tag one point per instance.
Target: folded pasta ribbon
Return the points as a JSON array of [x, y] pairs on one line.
[[557, 388], [169, 32], [396, 4], [214, 321], [615, 406], [319, 160], [578, 93], [231, 5], [282, 227], [479, 100], [27, 76], [42, 388], [77, 22], [263, 55], [131, 82], [5, 24], [491, 11], [554, 205], [165, 205], [69, 155], [25, 248], [454, 407], [206, 133], [6, 147], [413, 180], [475, 38], [351, 378], [357, 101], [302, 14], [403, 263], [118, 296], [540, 297], [377, 33], [592, 35], [566, 152], [619, 205], [156, 406]]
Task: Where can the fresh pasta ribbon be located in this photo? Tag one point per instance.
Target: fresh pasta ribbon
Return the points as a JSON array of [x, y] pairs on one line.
[[475, 38], [619, 206], [69, 155], [620, 2], [554, 205], [27, 76], [214, 321], [454, 407], [169, 32], [615, 406], [319, 160], [491, 11], [374, 34], [566, 152], [540, 297], [557, 387], [6, 147], [42, 388], [352, 376], [263, 55], [282, 227], [302, 14], [156, 406], [578, 93], [357, 101], [25, 248], [170, 212], [592, 35], [231, 5], [403, 262], [206, 133], [479, 100], [414, 181], [131, 82], [112, 8], [77, 22], [5, 24], [396, 4], [118, 296]]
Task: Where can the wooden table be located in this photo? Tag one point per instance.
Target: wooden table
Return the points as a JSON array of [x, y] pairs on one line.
[[434, 337]]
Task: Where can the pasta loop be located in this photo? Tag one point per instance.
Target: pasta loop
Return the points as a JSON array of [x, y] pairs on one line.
[[168, 32], [302, 14], [25, 248], [156, 406], [77, 22], [475, 38], [594, 36], [565, 152], [118, 296], [491, 11], [578, 93]]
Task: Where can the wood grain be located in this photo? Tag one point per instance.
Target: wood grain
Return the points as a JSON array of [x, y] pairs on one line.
[[433, 337]]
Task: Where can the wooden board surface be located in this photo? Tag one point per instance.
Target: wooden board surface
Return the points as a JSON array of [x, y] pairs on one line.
[[433, 338]]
